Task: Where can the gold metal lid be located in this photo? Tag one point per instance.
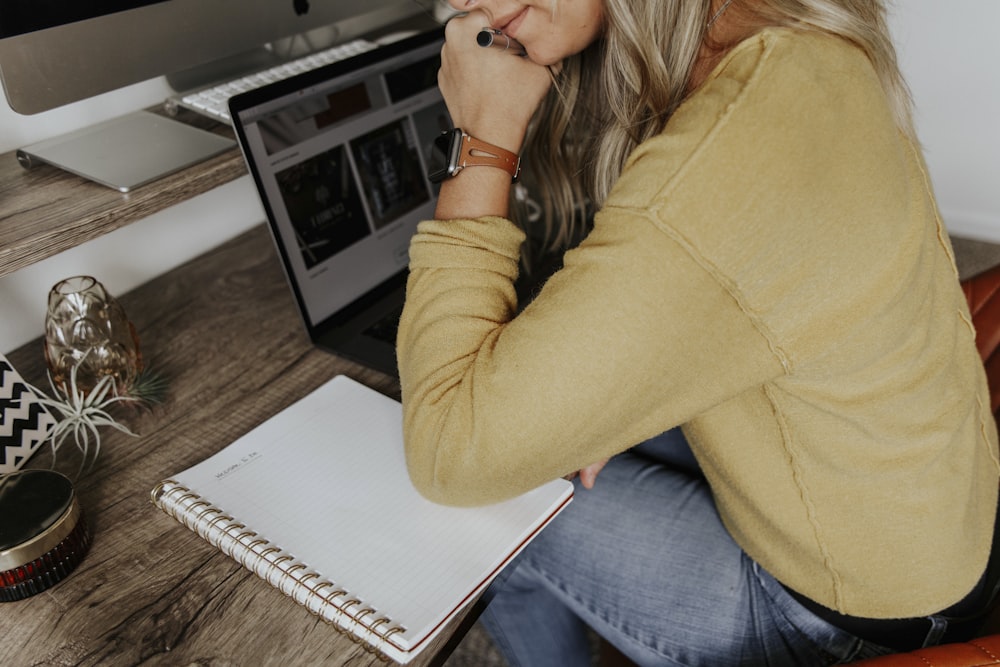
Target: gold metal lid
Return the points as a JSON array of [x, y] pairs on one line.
[[38, 510]]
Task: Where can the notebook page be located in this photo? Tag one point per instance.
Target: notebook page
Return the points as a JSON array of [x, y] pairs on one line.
[[326, 481]]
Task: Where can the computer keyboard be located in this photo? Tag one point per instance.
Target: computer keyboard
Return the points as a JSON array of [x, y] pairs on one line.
[[386, 328], [214, 101]]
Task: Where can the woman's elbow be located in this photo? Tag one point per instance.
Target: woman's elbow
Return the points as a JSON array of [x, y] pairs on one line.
[[445, 490], [450, 479]]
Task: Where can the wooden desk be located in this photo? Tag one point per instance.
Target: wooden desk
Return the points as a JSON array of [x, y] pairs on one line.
[[224, 331]]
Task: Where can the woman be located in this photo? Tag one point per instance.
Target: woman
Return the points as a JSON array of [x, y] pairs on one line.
[[768, 272]]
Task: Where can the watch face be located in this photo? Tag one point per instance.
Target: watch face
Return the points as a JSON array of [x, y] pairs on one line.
[[443, 161]]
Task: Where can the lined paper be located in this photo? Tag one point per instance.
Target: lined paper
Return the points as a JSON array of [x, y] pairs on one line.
[[325, 480]]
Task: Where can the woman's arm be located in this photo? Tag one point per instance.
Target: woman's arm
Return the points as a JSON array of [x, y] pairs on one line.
[[492, 96], [631, 337]]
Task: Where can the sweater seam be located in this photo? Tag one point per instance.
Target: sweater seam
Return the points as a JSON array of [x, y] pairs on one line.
[[658, 202], [983, 413], [798, 478], [965, 317], [752, 82], [928, 191], [724, 281]]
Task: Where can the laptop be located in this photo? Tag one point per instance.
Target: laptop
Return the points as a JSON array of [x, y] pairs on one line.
[[340, 157]]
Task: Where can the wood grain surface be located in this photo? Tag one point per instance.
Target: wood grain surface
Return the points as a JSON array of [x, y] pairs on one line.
[[224, 331]]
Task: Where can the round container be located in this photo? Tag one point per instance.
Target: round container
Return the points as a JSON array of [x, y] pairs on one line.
[[43, 535]]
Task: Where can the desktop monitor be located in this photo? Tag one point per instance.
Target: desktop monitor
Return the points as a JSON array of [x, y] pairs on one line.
[[53, 52]]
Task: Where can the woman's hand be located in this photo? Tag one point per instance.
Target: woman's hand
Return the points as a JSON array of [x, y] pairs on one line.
[[491, 94], [588, 476]]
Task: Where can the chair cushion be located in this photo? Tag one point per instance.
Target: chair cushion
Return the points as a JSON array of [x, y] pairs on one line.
[[975, 653]]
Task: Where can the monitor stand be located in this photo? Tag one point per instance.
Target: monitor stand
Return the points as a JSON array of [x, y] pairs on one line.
[[128, 151]]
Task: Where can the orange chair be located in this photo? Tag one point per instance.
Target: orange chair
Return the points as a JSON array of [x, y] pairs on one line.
[[983, 651], [983, 294]]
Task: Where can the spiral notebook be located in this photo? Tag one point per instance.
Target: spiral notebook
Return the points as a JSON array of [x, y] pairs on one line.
[[317, 502]]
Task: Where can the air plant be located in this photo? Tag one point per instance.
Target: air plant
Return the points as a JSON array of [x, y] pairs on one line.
[[82, 414]]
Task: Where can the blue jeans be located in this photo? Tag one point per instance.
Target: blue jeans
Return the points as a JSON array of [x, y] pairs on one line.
[[644, 560]]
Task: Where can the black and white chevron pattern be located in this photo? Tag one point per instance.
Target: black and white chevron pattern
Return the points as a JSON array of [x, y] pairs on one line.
[[24, 421]]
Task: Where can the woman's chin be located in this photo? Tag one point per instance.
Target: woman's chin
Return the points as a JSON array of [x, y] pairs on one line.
[[541, 57]]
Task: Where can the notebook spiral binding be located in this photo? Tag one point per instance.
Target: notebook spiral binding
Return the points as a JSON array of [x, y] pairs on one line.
[[334, 604]]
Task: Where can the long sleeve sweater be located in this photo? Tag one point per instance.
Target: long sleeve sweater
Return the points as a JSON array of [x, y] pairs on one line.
[[771, 273]]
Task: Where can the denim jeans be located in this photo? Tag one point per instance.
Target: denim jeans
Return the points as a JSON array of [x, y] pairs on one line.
[[644, 560]]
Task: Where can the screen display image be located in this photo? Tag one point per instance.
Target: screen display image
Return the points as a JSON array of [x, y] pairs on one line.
[[391, 172], [342, 165], [323, 204]]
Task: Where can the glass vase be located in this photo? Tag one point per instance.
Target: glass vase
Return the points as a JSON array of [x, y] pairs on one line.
[[86, 329]]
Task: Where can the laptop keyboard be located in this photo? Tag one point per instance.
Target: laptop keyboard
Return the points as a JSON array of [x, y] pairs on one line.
[[214, 101], [386, 328]]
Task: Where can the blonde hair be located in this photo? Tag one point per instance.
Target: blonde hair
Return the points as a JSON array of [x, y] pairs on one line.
[[623, 89]]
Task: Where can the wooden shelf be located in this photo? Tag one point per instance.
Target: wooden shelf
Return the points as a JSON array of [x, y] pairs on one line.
[[44, 211]]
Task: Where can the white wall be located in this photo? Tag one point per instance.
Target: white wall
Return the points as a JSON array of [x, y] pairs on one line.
[[947, 49]]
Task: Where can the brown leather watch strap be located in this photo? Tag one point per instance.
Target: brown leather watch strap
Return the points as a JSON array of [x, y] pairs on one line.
[[479, 153]]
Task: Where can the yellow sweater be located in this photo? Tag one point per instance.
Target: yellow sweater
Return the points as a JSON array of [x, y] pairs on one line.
[[771, 273]]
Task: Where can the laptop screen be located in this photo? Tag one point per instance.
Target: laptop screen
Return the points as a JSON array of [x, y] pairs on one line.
[[340, 157]]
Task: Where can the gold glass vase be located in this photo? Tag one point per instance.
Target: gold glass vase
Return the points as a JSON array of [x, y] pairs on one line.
[[86, 329]]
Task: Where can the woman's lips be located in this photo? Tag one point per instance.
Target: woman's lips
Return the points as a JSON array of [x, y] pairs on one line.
[[510, 27]]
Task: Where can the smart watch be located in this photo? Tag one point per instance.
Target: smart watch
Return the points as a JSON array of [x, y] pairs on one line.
[[456, 150]]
